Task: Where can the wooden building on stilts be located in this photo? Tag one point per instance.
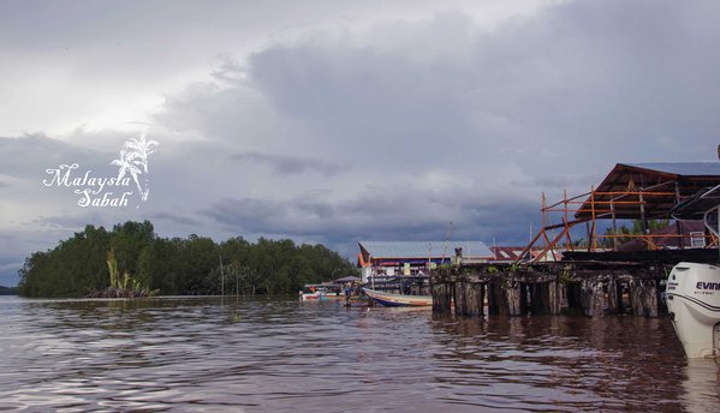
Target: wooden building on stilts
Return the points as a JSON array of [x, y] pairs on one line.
[[598, 274]]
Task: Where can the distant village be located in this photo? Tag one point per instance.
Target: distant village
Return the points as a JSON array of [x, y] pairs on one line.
[[606, 251], [645, 193]]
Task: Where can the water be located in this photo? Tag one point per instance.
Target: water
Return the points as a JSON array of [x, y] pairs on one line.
[[277, 354]]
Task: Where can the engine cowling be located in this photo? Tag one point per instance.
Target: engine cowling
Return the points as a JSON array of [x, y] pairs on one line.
[[693, 299]]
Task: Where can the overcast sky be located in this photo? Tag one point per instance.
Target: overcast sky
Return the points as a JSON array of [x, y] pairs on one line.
[[334, 121]]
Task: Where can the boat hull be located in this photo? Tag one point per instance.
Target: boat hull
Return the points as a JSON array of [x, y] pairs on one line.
[[399, 300]]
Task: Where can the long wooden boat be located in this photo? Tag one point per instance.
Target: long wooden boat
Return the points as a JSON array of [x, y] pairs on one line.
[[399, 300]]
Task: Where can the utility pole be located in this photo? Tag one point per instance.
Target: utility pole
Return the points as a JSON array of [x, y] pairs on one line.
[[222, 278]]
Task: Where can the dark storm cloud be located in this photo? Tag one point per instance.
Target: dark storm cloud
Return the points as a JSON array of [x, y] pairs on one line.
[[29, 156], [593, 80], [388, 217], [363, 100], [249, 214], [541, 104], [392, 130], [288, 165]]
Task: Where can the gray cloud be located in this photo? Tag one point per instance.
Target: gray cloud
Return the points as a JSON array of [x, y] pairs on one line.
[[17, 244], [29, 156], [577, 80], [288, 165], [8, 273], [388, 129], [386, 217], [173, 218], [542, 104]]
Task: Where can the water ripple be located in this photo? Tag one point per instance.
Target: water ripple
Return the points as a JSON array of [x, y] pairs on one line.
[[276, 354]]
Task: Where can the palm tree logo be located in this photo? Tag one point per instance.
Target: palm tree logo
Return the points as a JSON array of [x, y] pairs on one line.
[[133, 160]]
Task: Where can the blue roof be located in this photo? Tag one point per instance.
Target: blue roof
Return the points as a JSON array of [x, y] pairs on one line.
[[681, 168], [424, 249]]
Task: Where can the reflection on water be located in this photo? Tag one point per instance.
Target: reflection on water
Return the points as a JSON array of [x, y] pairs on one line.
[[277, 354], [701, 386]]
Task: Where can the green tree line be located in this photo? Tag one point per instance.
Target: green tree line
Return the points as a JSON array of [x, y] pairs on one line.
[[178, 266], [625, 234]]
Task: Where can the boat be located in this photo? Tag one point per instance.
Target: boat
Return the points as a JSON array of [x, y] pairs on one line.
[[693, 289], [321, 292], [693, 300], [398, 300], [310, 295]]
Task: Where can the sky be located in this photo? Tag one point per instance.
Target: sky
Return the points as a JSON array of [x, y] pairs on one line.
[[336, 121]]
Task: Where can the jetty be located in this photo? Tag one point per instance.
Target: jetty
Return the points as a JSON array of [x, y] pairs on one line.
[[610, 273]]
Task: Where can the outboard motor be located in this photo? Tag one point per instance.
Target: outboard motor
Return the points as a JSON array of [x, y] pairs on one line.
[[693, 289], [693, 300]]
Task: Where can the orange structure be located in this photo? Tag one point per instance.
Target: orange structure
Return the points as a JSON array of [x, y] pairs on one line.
[[641, 192]]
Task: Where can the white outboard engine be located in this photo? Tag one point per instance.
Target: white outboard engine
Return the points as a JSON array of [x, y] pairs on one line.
[[693, 300]]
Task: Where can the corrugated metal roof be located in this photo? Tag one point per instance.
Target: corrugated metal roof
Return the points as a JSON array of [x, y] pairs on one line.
[[424, 249], [668, 181], [681, 168]]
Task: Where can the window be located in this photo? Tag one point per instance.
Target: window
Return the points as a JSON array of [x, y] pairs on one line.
[[697, 239]]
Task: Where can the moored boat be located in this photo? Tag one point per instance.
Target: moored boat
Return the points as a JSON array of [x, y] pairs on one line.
[[398, 300], [693, 289], [693, 300], [313, 295], [312, 292]]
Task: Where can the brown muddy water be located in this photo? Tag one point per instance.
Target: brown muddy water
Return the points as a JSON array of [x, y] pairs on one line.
[[277, 355]]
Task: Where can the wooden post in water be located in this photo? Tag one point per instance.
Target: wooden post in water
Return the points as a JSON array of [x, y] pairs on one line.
[[612, 293], [552, 298], [482, 294], [635, 293], [557, 297], [549, 289], [514, 295], [598, 299], [651, 298], [526, 297], [541, 298], [441, 292], [460, 298], [497, 298], [592, 298], [643, 298], [474, 299], [621, 296]]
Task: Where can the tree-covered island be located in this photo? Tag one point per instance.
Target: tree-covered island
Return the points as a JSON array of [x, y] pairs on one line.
[[83, 265]]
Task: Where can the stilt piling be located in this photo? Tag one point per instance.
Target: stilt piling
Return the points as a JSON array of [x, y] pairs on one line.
[[595, 289]]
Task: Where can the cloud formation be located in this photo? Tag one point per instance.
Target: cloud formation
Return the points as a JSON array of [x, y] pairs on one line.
[[332, 122], [288, 165]]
